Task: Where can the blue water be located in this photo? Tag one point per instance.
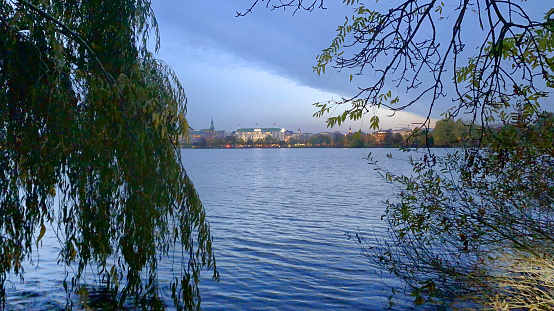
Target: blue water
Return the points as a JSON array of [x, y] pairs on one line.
[[279, 218]]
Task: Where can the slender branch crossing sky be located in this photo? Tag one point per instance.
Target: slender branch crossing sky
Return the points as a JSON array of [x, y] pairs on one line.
[[257, 69]]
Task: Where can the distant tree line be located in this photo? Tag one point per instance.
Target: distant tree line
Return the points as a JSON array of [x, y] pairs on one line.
[[447, 133], [322, 140]]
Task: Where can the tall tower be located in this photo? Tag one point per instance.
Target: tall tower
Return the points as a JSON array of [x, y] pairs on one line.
[[299, 130], [212, 126], [350, 130]]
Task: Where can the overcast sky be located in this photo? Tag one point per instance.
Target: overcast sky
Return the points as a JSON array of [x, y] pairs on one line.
[[257, 69]]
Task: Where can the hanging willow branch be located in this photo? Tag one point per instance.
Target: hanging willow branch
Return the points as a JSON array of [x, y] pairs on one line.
[[90, 118]]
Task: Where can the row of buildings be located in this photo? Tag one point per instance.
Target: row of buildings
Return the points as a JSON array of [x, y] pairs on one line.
[[277, 134]]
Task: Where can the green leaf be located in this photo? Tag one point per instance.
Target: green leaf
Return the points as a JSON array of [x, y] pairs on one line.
[[374, 123]]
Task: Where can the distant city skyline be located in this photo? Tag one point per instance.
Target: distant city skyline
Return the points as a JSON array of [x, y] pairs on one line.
[[213, 122]]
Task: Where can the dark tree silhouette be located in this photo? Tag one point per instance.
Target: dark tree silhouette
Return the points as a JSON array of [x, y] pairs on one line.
[[88, 117]]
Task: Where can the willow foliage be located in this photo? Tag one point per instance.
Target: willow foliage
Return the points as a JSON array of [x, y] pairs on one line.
[[89, 119]]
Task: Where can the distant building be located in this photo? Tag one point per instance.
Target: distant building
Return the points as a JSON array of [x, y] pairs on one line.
[[382, 134], [302, 137], [260, 133], [197, 136], [288, 135], [379, 136]]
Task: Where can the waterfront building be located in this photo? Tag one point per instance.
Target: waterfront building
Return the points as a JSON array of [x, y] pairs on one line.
[[302, 137], [260, 133], [379, 136], [288, 136], [206, 134]]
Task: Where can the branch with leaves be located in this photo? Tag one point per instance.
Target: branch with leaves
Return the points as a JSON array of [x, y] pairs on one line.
[[90, 119], [402, 46]]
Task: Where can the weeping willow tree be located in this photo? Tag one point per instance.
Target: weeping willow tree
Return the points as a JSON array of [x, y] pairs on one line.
[[89, 121]]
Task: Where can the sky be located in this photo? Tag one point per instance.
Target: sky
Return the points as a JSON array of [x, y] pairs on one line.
[[256, 70]]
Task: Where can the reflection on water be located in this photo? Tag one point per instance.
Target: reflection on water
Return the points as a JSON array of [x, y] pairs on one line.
[[279, 219]]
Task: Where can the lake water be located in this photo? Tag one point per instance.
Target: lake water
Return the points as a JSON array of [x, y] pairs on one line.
[[279, 218]]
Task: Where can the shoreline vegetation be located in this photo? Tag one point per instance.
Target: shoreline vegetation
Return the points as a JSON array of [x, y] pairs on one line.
[[446, 134]]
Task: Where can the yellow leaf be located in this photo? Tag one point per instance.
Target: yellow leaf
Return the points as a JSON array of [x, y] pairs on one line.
[[42, 232]]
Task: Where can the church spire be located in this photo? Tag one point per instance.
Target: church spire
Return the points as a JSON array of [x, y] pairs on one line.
[[212, 126]]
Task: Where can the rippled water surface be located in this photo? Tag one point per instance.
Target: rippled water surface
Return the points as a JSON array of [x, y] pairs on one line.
[[279, 218]]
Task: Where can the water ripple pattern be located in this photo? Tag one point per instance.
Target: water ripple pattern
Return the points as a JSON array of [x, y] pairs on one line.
[[279, 218]]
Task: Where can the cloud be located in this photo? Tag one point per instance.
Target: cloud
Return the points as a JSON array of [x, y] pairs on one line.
[[254, 69]]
